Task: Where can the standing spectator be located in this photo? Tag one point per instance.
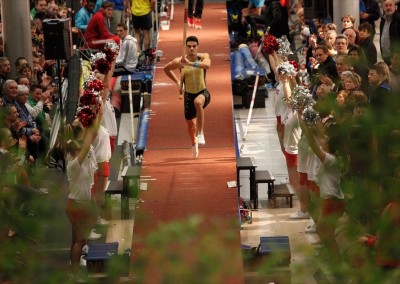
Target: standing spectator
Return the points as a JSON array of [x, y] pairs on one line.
[[348, 22], [40, 6], [83, 16], [394, 71], [370, 13], [142, 22], [379, 92], [5, 70], [118, 16], [366, 43], [277, 18], [389, 30], [194, 13], [97, 28], [127, 57]]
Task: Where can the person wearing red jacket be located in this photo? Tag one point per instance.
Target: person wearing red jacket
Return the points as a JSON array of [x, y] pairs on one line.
[[97, 32]]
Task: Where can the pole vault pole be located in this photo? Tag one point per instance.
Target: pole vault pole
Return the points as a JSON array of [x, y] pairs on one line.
[[251, 106], [185, 16]]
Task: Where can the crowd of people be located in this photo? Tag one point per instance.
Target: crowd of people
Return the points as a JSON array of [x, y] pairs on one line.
[[28, 103], [344, 166]]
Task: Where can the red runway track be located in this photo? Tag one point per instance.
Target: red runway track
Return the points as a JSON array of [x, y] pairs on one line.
[[179, 186]]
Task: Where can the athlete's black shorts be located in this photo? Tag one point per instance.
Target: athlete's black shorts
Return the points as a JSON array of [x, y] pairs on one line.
[[190, 110], [142, 22]]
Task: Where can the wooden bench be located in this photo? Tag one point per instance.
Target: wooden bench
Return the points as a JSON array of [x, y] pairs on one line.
[[130, 188], [282, 190], [265, 177]]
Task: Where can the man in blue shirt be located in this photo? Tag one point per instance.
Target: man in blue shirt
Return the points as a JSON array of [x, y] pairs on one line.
[[84, 14]]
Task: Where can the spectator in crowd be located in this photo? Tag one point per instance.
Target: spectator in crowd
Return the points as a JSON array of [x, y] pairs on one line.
[[127, 57], [40, 6], [359, 63], [10, 91], [118, 14], [142, 22], [52, 11], [84, 15], [26, 70], [352, 36], [348, 22], [63, 12], [19, 62], [341, 44], [370, 13], [1, 46], [379, 91], [394, 71], [366, 43], [97, 33], [389, 30], [5, 70], [330, 36], [22, 80]]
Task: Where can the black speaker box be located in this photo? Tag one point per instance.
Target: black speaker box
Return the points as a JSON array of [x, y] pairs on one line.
[[57, 38], [316, 9]]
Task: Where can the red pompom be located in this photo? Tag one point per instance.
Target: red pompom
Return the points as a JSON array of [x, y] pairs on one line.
[[295, 65], [95, 85], [86, 116], [102, 65], [88, 98], [270, 44], [111, 49]]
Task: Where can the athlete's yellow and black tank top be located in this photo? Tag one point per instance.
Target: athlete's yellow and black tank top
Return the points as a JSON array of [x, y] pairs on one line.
[[194, 78]]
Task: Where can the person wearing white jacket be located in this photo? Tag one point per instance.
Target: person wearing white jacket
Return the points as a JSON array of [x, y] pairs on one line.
[[127, 57]]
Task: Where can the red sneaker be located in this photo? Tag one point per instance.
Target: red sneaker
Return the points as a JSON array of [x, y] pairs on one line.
[[190, 22], [197, 24]]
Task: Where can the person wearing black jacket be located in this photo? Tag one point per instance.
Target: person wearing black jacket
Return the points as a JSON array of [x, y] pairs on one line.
[[370, 14], [274, 16]]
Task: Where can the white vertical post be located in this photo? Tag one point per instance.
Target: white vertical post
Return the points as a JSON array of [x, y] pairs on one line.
[[345, 7], [131, 108]]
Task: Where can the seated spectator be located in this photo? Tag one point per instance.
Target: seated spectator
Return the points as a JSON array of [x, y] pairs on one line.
[[127, 57], [83, 16], [10, 92], [97, 33]]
